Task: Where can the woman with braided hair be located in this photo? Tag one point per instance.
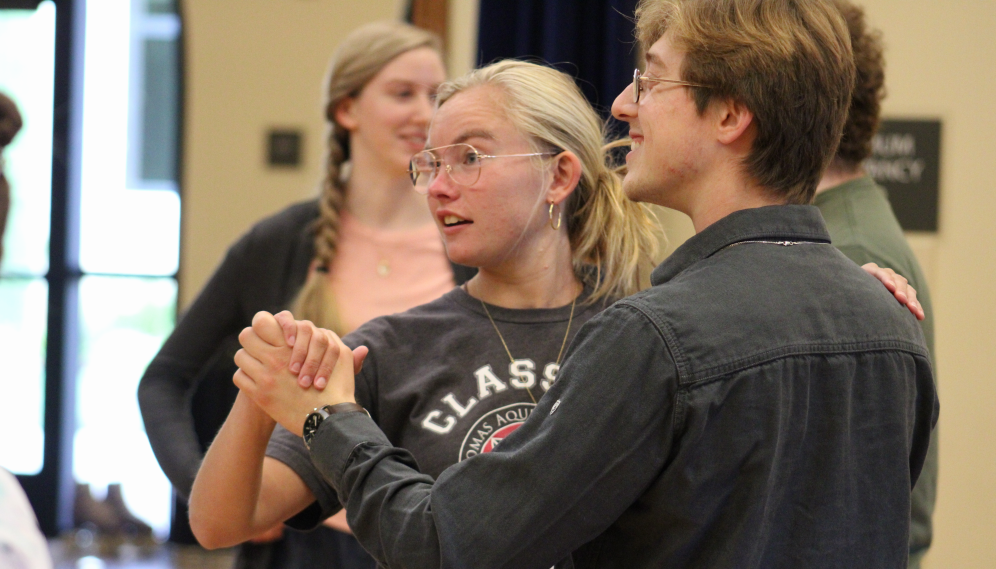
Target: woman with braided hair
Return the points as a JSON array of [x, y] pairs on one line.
[[367, 247]]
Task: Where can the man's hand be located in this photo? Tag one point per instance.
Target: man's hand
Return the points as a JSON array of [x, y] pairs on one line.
[[898, 286], [310, 356], [264, 372]]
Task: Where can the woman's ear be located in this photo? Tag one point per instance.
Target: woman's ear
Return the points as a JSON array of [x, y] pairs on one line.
[[566, 174], [345, 114]]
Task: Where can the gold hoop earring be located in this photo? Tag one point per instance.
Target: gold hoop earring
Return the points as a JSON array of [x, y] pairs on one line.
[[555, 227]]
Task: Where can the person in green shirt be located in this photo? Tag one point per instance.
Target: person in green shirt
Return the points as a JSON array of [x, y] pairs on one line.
[[863, 226]]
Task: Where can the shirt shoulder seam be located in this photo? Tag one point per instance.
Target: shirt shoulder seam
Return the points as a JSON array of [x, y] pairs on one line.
[[667, 333]]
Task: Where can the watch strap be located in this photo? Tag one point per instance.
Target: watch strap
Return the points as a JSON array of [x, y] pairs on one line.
[[347, 407], [315, 419]]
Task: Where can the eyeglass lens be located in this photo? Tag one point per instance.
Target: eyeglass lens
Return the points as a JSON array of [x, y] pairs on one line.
[[461, 161]]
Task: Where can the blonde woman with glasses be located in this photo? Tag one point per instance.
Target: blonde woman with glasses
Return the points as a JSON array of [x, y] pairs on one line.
[[519, 186]]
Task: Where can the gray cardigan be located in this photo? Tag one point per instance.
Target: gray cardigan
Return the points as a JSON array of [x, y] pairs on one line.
[[187, 390]]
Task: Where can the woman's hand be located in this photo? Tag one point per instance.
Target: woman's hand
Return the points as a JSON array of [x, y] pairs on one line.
[[898, 286]]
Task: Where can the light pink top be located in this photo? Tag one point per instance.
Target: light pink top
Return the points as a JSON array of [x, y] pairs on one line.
[[377, 272]]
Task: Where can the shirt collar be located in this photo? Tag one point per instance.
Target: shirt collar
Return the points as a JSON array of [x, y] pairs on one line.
[[769, 223], [862, 184]]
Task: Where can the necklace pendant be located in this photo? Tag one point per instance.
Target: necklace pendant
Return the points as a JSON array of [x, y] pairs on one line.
[[383, 268]]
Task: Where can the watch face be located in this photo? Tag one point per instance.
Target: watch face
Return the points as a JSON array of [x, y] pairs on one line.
[[310, 426]]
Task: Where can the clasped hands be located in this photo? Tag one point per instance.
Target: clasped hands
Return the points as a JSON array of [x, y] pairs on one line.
[[279, 358]]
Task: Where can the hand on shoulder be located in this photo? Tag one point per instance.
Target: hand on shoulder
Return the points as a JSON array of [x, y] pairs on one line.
[[898, 285]]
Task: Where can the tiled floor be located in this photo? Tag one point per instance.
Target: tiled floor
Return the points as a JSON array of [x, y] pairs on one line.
[[83, 552]]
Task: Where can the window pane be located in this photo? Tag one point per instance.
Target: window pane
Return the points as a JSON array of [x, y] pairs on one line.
[[125, 228], [27, 63], [161, 6], [123, 321], [153, 124], [160, 110], [23, 314]]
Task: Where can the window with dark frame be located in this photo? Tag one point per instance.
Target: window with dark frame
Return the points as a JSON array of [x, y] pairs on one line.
[[71, 289]]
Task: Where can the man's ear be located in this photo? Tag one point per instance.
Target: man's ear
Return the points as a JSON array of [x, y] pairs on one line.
[[345, 113], [566, 174], [734, 122]]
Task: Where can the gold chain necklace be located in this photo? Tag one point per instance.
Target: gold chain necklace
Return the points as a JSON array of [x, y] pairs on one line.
[[509, 352]]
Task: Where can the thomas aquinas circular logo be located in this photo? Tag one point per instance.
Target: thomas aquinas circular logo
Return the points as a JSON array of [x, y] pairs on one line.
[[492, 428]]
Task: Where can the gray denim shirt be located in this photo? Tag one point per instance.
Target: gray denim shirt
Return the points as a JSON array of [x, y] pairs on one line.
[[762, 405]]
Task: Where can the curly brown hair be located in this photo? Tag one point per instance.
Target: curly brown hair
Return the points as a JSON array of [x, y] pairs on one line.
[[869, 88]]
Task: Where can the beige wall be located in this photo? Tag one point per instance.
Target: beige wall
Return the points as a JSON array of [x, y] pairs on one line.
[[258, 63], [461, 36], [940, 64]]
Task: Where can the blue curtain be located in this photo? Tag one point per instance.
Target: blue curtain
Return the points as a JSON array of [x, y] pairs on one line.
[[591, 40]]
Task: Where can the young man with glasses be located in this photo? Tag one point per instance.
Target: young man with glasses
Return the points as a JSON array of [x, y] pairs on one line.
[[764, 404]]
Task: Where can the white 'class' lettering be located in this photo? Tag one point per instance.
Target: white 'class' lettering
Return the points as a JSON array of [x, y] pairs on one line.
[[486, 381], [549, 376], [428, 423], [460, 410], [522, 375], [521, 372]]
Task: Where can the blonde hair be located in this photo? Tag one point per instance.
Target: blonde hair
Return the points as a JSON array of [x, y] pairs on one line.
[[613, 240], [355, 62]]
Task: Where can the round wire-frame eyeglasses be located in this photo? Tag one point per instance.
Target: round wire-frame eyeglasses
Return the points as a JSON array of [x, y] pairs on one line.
[[638, 79], [461, 161]]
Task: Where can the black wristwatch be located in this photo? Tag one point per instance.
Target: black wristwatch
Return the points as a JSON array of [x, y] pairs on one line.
[[316, 417]]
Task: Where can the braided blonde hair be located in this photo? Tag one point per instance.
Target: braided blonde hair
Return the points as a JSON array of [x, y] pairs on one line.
[[613, 240], [355, 62]]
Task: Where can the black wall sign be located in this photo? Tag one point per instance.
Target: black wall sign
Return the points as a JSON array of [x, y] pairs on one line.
[[905, 160], [284, 147]]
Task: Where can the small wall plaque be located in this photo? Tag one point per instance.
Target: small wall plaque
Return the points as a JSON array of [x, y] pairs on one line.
[[905, 160], [284, 147]]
